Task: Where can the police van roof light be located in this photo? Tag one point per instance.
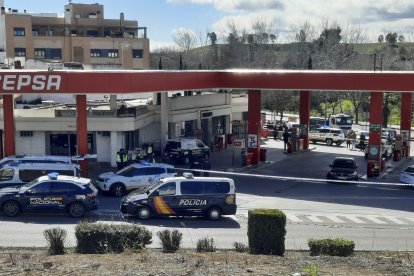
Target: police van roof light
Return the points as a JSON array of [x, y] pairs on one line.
[[53, 175]]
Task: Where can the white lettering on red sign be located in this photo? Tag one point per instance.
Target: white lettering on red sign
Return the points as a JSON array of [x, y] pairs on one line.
[[28, 82]]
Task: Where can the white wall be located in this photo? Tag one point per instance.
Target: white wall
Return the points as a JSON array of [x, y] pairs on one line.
[[35, 145], [103, 148], [150, 133]]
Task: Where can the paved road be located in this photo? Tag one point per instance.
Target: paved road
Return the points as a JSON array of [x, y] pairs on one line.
[[374, 215]]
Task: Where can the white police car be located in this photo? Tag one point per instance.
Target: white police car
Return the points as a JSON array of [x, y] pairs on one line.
[[50, 193], [407, 175], [133, 176]]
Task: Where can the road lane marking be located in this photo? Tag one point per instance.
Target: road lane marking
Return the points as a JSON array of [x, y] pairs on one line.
[[375, 219], [293, 218], [314, 218], [335, 219], [395, 220], [354, 219]]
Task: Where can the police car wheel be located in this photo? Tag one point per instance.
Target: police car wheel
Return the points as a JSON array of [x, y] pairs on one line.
[[214, 213], [11, 208], [77, 210], [144, 212], [117, 190]]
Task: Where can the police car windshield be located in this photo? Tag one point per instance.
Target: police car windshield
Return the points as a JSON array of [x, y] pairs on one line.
[[27, 186], [121, 171]]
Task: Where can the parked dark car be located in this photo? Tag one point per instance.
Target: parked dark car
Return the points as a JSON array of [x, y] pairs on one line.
[[343, 168]]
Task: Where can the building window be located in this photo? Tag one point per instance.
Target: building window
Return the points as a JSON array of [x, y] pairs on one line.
[[26, 133], [35, 32], [53, 53], [92, 33], [40, 53], [106, 133], [113, 53], [19, 52], [49, 32], [95, 53], [137, 53], [19, 32]]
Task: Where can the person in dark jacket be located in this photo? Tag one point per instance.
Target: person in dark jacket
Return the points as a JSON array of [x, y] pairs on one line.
[[285, 138]]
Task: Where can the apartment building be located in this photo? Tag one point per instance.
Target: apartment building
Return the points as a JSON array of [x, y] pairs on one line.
[[83, 36]]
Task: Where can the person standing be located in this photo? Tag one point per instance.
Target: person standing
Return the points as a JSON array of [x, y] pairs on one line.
[[118, 160], [348, 139], [285, 139], [353, 139]]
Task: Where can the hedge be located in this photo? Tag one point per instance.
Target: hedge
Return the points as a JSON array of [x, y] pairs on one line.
[[336, 247], [93, 238], [266, 231]]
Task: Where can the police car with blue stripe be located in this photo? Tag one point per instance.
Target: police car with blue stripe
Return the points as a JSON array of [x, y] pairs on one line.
[[50, 193], [134, 176]]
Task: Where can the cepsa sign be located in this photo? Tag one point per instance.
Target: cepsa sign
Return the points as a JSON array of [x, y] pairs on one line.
[[24, 82]]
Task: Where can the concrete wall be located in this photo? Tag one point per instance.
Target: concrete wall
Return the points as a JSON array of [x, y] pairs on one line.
[[35, 145], [103, 147], [3, 38]]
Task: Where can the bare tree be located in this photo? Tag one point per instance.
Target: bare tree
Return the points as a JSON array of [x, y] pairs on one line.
[[185, 39]]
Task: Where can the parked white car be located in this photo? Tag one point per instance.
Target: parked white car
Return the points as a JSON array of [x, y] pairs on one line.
[[407, 175], [133, 177]]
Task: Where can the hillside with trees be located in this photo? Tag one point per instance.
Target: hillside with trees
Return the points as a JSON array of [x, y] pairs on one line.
[[325, 47]]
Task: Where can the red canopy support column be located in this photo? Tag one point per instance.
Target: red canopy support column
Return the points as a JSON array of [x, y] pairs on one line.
[[254, 127], [405, 124], [375, 134], [82, 131], [8, 115], [304, 116]]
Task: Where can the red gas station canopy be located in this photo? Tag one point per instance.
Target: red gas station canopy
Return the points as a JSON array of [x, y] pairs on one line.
[[114, 82]]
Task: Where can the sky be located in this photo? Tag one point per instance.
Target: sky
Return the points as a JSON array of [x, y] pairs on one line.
[[164, 18]]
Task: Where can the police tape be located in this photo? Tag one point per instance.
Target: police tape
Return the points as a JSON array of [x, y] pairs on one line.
[[297, 179]]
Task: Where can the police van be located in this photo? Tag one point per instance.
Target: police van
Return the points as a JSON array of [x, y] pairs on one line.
[[35, 159], [209, 197], [16, 173]]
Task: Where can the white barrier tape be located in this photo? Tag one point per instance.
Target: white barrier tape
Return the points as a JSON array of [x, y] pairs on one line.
[[298, 178]]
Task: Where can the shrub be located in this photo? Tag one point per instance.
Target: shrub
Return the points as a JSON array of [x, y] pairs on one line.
[[95, 238], [206, 245], [170, 240], [240, 247], [336, 247], [266, 231], [311, 269], [56, 239]]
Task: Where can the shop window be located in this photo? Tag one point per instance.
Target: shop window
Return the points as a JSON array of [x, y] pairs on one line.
[[19, 32]]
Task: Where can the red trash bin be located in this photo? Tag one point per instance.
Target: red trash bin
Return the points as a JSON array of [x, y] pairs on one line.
[[262, 154]]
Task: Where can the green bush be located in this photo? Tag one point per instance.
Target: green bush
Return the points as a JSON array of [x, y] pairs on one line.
[[266, 231], [170, 240], [336, 247], [101, 238], [240, 247], [206, 245], [56, 240]]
